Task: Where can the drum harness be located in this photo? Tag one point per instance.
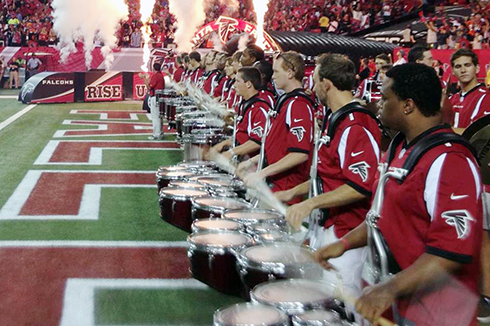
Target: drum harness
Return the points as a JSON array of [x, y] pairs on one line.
[[318, 217], [380, 257]]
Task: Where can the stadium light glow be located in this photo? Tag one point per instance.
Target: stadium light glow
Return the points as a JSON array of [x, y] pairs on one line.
[[146, 9]]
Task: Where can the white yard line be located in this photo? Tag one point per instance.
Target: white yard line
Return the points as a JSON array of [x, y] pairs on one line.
[[9, 97], [16, 116], [92, 244]]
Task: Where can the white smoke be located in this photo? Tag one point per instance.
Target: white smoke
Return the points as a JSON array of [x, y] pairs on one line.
[[190, 15], [86, 21], [217, 45], [243, 42]]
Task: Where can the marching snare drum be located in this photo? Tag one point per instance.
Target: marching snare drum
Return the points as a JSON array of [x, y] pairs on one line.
[[254, 216], [196, 145], [208, 207], [213, 261], [272, 236], [187, 185], [171, 168], [215, 225], [198, 165], [176, 206], [318, 317], [164, 178], [295, 296], [279, 260], [250, 314]]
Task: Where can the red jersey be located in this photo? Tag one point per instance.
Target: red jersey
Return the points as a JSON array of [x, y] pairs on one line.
[[178, 74], [267, 96], [369, 90], [437, 210], [208, 81], [470, 106], [351, 158], [157, 82], [227, 87], [291, 131], [220, 85], [195, 76], [252, 116]]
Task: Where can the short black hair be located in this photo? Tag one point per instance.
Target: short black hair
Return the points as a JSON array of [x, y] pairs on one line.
[[337, 68], [464, 53], [266, 71], [252, 75], [417, 53], [255, 51], [420, 83], [195, 55], [157, 66]]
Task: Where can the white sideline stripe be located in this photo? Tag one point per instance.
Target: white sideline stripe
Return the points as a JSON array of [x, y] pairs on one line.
[[93, 244], [8, 97], [16, 116], [104, 126], [95, 156], [105, 116], [89, 205], [79, 296]]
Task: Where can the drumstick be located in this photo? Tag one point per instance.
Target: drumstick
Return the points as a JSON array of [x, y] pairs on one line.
[[342, 295]]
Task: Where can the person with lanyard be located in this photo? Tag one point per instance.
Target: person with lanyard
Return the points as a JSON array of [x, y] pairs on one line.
[[346, 167], [194, 65], [222, 77], [473, 101], [157, 82], [179, 71], [211, 73], [267, 91], [290, 138], [424, 229], [251, 117]]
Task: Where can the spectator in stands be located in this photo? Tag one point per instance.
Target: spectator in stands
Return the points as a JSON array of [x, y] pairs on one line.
[[136, 38], [400, 58], [14, 73], [420, 54], [408, 39]]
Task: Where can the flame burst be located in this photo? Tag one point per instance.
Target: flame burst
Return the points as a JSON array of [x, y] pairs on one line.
[[261, 8], [146, 9]]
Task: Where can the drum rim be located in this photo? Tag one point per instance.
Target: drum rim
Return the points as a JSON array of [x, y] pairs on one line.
[[259, 240], [195, 228], [179, 197], [279, 216], [217, 248], [216, 208], [250, 227], [279, 267], [297, 321], [291, 307], [284, 318], [173, 185], [202, 164]]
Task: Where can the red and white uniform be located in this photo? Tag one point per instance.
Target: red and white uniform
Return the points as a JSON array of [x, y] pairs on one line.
[[220, 85], [369, 90], [291, 131], [437, 210], [209, 81], [470, 106], [351, 158], [252, 119], [195, 76], [178, 74], [267, 96]]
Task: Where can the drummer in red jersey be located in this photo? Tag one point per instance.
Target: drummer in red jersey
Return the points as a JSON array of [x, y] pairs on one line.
[[431, 222], [290, 139], [179, 72], [195, 67], [267, 91], [252, 115], [473, 101]]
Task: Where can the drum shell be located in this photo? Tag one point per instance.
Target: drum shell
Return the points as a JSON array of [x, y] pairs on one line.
[[177, 210], [163, 180], [332, 319], [216, 267], [218, 318]]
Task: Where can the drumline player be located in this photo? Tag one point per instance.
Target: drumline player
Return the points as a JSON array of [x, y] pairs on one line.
[[431, 222], [290, 139], [252, 115], [346, 167]]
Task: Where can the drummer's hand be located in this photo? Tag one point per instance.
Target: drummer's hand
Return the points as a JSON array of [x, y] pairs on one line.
[[243, 168], [375, 300], [285, 195], [227, 155], [296, 213], [253, 179], [327, 252], [211, 154]]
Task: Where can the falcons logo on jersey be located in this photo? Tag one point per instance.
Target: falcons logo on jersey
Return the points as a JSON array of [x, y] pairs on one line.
[[460, 220], [360, 168], [226, 26], [259, 131], [298, 132]]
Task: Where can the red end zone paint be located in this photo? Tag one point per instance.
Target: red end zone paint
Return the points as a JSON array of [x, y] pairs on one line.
[[112, 114], [33, 279]]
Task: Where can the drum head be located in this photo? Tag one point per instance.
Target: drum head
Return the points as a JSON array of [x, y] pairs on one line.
[[282, 252], [219, 239], [320, 316], [294, 294], [216, 224], [221, 203], [171, 168], [187, 185], [175, 193], [175, 174], [197, 164], [216, 181], [250, 314], [252, 215]]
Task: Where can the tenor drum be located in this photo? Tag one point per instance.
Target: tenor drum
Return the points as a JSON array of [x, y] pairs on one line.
[[198, 165], [272, 237], [225, 184], [295, 296], [318, 317], [163, 178], [213, 261], [215, 225], [209, 207], [187, 185], [172, 168], [176, 206], [196, 145], [255, 216], [279, 260], [250, 314]]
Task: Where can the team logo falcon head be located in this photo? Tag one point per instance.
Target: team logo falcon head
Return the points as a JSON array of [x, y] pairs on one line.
[[360, 168], [298, 132], [226, 26], [460, 220], [259, 131]]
